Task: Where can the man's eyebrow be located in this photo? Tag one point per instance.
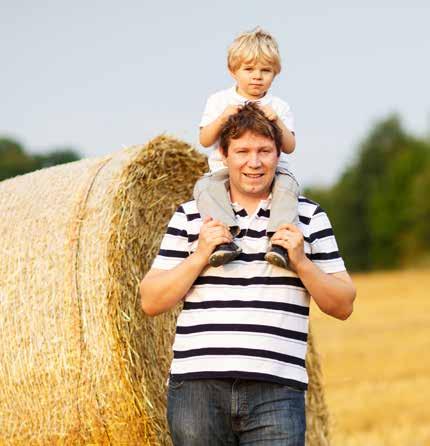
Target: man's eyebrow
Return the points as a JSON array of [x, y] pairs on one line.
[[265, 147]]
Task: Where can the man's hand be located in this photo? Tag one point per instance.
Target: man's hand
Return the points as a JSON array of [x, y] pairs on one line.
[[212, 234], [229, 111], [268, 111], [290, 237]]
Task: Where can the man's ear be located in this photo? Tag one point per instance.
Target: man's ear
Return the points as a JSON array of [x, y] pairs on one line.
[[223, 157]]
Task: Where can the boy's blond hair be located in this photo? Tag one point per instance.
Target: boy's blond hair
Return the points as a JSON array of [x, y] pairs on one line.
[[252, 46]]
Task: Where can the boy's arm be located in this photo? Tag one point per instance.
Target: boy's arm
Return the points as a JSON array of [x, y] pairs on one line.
[[161, 290], [288, 138], [210, 133]]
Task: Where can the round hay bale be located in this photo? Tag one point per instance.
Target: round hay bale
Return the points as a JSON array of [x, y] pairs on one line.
[[79, 361]]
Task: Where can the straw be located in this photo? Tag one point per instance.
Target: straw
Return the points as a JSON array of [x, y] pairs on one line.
[[80, 363]]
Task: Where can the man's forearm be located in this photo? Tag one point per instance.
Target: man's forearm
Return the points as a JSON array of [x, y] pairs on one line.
[[161, 290], [333, 293]]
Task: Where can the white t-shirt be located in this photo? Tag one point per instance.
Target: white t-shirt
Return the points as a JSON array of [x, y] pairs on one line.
[[218, 102]]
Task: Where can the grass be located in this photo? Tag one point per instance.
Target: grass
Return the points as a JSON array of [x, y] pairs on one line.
[[376, 364]]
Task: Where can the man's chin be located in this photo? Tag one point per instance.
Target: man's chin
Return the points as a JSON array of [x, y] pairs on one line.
[[255, 190]]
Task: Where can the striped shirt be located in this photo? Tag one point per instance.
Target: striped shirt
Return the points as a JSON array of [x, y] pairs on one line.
[[247, 319]]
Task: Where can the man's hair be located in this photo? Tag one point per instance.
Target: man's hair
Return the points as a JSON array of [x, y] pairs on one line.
[[252, 46], [249, 118]]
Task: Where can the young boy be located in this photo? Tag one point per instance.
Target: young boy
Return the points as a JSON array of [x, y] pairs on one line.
[[253, 62]]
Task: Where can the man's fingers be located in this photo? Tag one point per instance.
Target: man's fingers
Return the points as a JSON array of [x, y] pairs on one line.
[[212, 223], [290, 227], [217, 232], [219, 240]]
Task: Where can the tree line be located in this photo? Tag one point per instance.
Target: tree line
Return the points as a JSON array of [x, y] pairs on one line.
[[15, 160], [380, 206]]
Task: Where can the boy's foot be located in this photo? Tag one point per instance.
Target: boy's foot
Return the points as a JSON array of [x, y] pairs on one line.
[[277, 255], [224, 253]]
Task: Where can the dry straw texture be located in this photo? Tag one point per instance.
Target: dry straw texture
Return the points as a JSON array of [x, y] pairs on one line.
[[79, 362]]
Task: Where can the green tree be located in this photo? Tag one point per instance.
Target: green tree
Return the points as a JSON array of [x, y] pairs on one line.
[[372, 206], [56, 157], [14, 160]]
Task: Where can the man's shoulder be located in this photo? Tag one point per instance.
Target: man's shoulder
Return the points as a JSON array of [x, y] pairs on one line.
[[307, 207], [189, 209]]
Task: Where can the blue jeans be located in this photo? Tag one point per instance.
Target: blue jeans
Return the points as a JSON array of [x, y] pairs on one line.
[[227, 412]]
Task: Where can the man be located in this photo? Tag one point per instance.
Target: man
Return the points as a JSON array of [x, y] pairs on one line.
[[238, 374]]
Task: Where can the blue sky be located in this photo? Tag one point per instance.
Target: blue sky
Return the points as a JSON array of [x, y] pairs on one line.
[[99, 75]]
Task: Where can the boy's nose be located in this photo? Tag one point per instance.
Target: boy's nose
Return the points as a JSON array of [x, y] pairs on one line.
[[257, 74]]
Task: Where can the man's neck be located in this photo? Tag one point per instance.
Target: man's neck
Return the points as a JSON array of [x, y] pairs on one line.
[[250, 204]]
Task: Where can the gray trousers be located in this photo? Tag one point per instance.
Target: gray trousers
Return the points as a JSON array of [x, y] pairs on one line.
[[211, 195]]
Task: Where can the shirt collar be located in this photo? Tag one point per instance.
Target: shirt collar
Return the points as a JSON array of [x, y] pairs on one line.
[[240, 100], [263, 205]]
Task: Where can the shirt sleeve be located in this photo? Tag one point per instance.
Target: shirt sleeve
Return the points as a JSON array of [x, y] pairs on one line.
[[285, 114], [212, 110], [324, 249], [174, 247]]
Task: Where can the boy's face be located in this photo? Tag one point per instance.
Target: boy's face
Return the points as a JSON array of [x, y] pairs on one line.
[[253, 79]]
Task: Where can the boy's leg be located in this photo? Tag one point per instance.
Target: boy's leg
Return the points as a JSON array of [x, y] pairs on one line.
[[212, 200], [198, 412], [284, 209]]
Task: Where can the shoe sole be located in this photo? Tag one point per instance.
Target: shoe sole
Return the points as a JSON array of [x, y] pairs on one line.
[[276, 260], [222, 257]]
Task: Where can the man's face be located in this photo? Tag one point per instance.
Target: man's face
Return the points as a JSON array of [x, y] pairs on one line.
[[251, 162]]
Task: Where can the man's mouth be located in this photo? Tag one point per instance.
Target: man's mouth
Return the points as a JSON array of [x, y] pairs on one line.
[[254, 175]]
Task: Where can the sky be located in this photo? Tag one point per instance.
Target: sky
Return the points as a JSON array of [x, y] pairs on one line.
[[100, 75]]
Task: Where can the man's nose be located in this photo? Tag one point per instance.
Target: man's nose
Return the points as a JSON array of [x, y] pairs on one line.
[[254, 161]]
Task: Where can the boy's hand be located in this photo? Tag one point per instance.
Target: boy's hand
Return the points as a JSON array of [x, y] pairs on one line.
[[229, 111], [212, 234], [268, 111], [290, 237]]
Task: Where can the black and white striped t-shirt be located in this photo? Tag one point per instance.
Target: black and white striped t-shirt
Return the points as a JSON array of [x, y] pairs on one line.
[[247, 319]]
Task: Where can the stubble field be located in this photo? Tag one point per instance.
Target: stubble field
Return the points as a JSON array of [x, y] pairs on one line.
[[377, 363]]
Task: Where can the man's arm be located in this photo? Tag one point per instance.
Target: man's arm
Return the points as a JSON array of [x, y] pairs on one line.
[[333, 293], [161, 290]]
